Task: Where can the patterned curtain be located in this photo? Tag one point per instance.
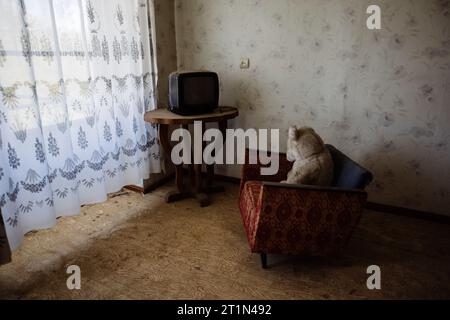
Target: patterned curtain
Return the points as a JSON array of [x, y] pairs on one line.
[[76, 77]]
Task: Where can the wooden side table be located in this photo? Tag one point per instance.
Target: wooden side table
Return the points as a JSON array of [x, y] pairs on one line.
[[164, 118]]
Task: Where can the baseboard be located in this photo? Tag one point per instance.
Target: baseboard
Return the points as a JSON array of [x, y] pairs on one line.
[[374, 206], [228, 178], [406, 212], [156, 180], [134, 188]]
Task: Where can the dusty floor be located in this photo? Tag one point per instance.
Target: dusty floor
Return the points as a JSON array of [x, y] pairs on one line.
[[138, 247]]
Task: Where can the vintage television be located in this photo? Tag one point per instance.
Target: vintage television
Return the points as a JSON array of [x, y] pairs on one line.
[[193, 92]]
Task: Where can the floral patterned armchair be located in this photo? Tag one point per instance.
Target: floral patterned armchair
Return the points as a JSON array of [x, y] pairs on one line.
[[301, 219]]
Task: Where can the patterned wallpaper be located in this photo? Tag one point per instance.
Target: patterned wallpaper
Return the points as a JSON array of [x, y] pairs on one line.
[[383, 97]]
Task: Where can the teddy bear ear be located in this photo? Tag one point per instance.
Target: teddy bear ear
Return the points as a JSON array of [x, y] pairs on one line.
[[293, 131], [306, 129]]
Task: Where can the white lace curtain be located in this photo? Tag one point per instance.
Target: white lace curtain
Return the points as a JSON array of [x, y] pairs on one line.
[[75, 79]]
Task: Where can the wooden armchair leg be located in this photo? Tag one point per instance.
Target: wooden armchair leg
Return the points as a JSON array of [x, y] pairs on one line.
[[264, 260]]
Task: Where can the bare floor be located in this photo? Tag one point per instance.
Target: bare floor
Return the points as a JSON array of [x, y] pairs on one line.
[[138, 247]]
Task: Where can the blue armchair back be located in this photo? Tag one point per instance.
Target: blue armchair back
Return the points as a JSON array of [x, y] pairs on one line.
[[347, 173]]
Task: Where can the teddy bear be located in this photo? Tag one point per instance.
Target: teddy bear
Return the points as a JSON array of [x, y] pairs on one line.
[[313, 164]]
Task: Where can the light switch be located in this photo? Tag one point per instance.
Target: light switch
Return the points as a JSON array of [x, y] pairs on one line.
[[245, 63]]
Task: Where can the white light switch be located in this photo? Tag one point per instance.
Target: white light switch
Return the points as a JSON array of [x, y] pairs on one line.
[[245, 63]]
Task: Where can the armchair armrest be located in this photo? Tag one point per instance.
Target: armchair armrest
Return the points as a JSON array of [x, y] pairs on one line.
[[311, 187]]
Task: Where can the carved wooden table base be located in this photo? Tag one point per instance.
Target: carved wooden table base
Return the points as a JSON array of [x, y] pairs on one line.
[[195, 188]]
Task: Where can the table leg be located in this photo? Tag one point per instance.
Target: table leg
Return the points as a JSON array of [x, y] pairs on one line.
[[201, 196], [210, 168], [180, 193]]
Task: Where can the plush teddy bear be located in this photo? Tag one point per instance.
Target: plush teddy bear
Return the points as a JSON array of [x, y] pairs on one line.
[[313, 164]]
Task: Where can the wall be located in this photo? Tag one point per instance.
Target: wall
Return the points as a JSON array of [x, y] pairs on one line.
[[383, 97], [166, 54], [163, 33]]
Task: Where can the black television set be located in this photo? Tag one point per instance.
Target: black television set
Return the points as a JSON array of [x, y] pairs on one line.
[[193, 92]]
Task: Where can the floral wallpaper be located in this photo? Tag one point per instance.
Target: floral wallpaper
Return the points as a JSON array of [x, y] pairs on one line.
[[381, 96]]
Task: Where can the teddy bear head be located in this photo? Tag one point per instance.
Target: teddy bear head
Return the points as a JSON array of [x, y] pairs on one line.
[[303, 143]]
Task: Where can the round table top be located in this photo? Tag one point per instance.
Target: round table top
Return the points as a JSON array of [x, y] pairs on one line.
[[164, 116]]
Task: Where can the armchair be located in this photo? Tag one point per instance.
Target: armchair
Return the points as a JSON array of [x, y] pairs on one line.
[[301, 219]]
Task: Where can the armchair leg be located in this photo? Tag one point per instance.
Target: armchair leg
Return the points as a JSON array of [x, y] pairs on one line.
[[264, 260]]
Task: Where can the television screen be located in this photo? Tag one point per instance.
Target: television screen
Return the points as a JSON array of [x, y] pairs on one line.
[[193, 92], [198, 91]]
